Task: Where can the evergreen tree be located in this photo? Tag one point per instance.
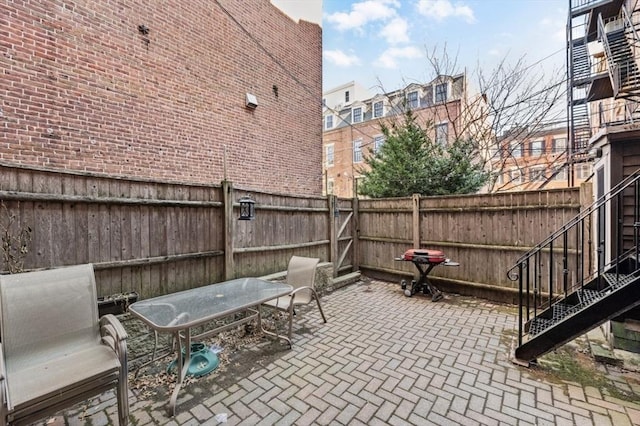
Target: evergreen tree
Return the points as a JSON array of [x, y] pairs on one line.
[[409, 162]]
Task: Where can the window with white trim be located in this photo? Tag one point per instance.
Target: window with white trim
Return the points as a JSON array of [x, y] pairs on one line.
[[440, 93], [583, 170], [560, 172], [357, 151], [378, 109], [356, 115], [442, 131], [515, 176], [328, 122], [330, 186], [346, 96], [329, 155], [377, 143], [412, 100], [536, 174], [559, 145]]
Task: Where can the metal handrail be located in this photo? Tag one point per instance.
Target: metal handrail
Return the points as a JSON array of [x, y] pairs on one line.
[[576, 267], [580, 216]]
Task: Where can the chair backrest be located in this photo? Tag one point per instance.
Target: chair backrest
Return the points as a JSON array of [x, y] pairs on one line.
[[302, 273], [40, 310]]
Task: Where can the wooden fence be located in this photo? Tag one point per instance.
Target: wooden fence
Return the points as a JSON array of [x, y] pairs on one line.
[[154, 237], [157, 237], [484, 233]]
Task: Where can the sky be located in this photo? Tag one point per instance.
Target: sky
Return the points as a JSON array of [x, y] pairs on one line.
[[383, 44]]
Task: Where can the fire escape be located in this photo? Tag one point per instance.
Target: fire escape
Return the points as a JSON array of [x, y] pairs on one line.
[[588, 271], [602, 73]]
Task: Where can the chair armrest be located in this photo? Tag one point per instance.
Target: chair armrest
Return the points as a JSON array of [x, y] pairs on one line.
[[3, 390], [2, 368], [113, 333], [297, 290]]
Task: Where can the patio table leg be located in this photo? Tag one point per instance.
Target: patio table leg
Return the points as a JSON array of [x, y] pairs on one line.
[[183, 367]]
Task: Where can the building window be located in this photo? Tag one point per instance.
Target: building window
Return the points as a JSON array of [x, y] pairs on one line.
[[440, 93], [559, 145], [412, 100], [583, 170], [357, 151], [356, 114], [500, 179], [515, 147], [536, 148], [378, 110], [328, 122], [329, 154], [330, 185], [560, 173], [377, 143], [515, 176], [536, 174], [346, 96], [442, 131]]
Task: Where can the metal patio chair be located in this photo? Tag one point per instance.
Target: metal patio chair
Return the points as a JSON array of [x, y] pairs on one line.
[[301, 275], [55, 352]]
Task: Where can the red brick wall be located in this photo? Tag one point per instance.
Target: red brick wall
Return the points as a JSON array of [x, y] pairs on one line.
[[82, 89]]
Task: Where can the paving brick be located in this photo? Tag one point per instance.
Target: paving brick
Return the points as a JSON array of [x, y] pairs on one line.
[[435, 364]]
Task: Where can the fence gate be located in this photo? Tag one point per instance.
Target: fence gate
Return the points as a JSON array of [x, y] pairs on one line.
[[343, 225]]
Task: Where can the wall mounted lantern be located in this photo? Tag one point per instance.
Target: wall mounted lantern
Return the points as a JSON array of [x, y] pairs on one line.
[[247, 209]]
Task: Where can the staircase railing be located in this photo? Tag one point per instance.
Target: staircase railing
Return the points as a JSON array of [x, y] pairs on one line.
[[614, 72], [576, 253]]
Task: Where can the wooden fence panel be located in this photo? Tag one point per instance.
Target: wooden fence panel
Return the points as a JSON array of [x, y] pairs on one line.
[[484, 233]]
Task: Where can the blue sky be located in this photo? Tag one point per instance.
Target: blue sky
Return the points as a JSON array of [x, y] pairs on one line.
[[384, 42]]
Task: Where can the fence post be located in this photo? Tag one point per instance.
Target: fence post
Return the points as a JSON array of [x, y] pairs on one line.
[[355, 234], [333, 237], [415, 199], [227, 201]]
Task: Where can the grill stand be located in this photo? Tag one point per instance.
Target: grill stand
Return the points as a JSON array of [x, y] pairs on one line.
[[424, 264]]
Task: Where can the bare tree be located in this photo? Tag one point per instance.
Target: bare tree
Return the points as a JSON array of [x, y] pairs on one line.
[[501, 109]]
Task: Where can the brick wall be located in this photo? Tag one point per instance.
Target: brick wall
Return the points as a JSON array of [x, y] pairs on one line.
[[83, 89]]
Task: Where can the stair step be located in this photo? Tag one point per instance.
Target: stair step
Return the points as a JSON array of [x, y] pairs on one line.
[[622, 279], [587, 296]]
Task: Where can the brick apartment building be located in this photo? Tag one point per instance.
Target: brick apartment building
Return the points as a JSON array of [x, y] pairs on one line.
[[352, 119], [529, 160], [157, 91]]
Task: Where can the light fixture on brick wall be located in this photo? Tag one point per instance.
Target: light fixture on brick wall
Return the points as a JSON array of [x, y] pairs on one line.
[[251, 101], [247, 208]]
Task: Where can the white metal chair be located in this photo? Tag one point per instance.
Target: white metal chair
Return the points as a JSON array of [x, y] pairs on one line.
[[301, 275], [55, 352]]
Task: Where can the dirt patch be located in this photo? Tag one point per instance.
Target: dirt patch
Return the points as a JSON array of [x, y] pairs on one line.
[[244, 349], [573, 363]]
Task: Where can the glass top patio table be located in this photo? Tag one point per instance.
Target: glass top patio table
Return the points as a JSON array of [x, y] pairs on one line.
[[178, 312], [189, 308]]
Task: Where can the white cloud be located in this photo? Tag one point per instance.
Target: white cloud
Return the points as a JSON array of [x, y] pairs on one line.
[[389, 58], [441, 9], [340, 59], [362, 13], [396, 31]]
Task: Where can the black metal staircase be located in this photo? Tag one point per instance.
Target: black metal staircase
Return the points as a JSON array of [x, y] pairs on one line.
[[567, 285]]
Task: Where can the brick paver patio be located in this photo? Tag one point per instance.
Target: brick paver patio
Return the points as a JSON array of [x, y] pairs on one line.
[[382, 358]]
